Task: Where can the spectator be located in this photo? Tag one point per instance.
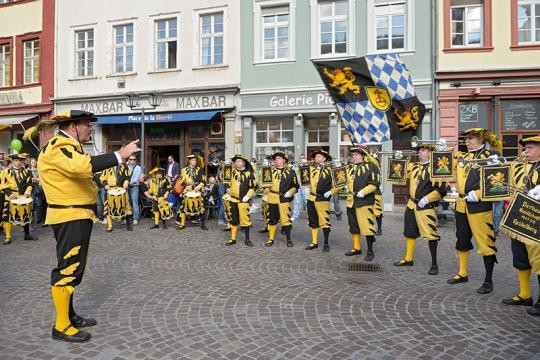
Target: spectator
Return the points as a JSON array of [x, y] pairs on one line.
[[135, 171], [300, 198], [173, 169]]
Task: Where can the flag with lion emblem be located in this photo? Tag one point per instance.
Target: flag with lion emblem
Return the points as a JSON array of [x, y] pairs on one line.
[[371, 94]]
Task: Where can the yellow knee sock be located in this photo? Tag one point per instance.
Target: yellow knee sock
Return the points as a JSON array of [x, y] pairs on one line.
[[234, 230], [410, 248], [156, 218], [183, 219], [356, 241], [524, 285], [109, 222], [314, 236], [271, 231], [61, 296], [463, 257], [7, 229]]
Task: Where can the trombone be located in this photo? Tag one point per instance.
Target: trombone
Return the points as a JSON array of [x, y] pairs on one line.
[[397, 154], [461, 161], [415, 142]]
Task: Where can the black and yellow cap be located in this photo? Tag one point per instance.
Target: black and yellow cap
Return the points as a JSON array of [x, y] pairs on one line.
[[156, 170], [530, 140], [280, 154], [72, 115], [191, 156], [430, 147], [488, 136], [359, 150], [20, 156], [239, 156], [323, 153]]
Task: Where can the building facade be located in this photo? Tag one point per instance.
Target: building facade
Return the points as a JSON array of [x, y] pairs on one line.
[[187, 51], [284, 103], [26, 67], [488, 71]]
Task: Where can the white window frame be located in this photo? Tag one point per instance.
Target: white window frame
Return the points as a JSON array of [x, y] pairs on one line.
[[197, 40], [258, 30], [156, 41], [5, 64], [85, 50], [316, 30], [465, 32], [533, 29], [272, 145], [124, 45], [212, 35], [372, 26], [33, 60], [318, 131]]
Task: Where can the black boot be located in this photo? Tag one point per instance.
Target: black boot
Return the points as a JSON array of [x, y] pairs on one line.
[[489, 264], [246, 233], [128, 223], [379, 225], [163, 224], [434, 270], [288, 235], [370, 254], [326, 233], [27, 235]]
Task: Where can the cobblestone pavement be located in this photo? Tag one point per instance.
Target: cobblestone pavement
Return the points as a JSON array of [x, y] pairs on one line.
[[183, 294]]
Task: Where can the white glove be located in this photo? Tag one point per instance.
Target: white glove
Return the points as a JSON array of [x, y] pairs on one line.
[[245, 198], [493, 160], [471, 197], [423, 202], [288, 195], [360, 194], [327, 194], [441, 145], [535, 192]]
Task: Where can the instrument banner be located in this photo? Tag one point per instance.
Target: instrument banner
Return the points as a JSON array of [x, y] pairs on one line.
[[442, 163], [304, 175], [339, 176], [522, 219], [227, 173], [396, 172], [492, 182], [266, 176]]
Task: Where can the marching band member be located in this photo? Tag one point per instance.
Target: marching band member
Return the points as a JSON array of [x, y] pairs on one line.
[[280, 195], [16, 182], [363, 179], [420, 218], [193, 179], [158, 191], [318, 203], [117, 176], [525, 253], [241, 188], [264, 200], [474, 218]]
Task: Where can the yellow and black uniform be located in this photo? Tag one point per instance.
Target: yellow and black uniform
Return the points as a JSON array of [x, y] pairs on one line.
[[117, 177], [526, 253], [159, 187], [318, 201], [474, 218], [280, 195], [16, 183], [420, 217], [66, 176], [241, 188], [363, 180], [194, 178]]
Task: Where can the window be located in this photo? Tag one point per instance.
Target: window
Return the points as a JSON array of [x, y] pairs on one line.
[[333, 27], [5, 65], [273, 134], [317, 131], [466, 25], [528, 21], [123, 48], [390, 20], [166, 43], [84, 52], [211, 39], [31, 61], [275, 33]]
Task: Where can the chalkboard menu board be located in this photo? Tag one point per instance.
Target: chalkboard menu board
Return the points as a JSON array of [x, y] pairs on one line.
[[521, 115], [473, 114]]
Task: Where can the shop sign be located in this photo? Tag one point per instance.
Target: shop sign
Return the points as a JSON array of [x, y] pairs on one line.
[[287, 101], [11, 98]]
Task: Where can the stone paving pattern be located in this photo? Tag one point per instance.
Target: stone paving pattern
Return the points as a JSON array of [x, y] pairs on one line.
[[183, 295]]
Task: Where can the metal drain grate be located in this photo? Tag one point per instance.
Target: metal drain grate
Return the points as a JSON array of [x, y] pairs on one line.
[[364, 267]]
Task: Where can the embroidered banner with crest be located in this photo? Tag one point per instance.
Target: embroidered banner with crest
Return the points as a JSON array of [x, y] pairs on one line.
[[373, 94]]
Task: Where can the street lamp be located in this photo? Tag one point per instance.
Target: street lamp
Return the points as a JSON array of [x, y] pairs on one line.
[[133, 101]]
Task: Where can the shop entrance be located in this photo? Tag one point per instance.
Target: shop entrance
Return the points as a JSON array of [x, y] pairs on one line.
[[157, 155]]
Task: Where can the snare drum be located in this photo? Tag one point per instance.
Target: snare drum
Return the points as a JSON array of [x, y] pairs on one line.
[[193, 203], [165, 209], [116, 198], [20, 211]]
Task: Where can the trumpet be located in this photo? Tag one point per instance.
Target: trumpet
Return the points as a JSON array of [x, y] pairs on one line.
[[511, 187], [461, 161], [415, 142], [397, 154]]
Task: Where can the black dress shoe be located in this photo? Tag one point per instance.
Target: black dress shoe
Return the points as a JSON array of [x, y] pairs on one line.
[[109, 230], [155, 226], [7, 241], [262, 231], [353, 252], [326, 248], [369, 256], [269, 243], [535, 310], [78, 337], [519, 301], [460, 279], [290, 243], [230, 242], [248, 243], [434, 270], [129, 227], [486, 288], [80, 322], [379, 232], [312, 246], [404, 263], [30, 237]]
